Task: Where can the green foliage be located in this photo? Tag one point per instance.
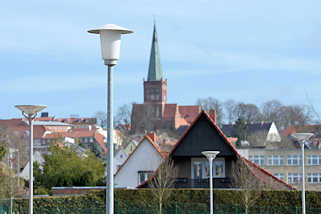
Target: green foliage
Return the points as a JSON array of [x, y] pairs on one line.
[[2, 151], [2, 147], [63, 167], [188, 200]]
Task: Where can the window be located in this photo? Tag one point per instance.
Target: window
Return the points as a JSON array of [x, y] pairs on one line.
[[275, 160], [143, 176], [257, 159], [294, 178], [314, 160], [314, 178], [200, 168], [279, 176], [219, 168], [294, 160]]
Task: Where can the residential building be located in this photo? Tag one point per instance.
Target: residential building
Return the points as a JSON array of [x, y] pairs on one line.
[[155, 113], [259, 134], [119, 158], [139, 165], [193, 168], [286, 165]]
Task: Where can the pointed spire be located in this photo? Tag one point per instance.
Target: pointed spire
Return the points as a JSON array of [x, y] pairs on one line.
[[155, 67]]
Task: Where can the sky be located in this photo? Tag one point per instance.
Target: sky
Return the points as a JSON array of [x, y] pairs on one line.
[[249, 51]]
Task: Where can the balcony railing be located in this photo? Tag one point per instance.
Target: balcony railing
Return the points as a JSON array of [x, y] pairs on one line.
[[202, 183]]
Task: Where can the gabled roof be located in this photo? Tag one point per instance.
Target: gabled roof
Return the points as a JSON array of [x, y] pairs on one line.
[[139, 144], [155, 72], [256, 170], [251, 128]]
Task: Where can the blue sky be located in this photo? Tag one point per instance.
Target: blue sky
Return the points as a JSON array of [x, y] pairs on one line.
[[251, 51]]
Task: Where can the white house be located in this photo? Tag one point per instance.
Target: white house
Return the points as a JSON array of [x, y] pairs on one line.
[[140, 164], [119, 158], [37, 157]]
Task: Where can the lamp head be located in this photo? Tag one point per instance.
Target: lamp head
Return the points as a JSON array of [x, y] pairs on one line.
[[110, 41], [30, 110], [210, 154], [302, 136]]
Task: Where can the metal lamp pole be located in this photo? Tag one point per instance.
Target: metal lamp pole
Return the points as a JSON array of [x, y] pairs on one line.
[[302, 138], [303, 178], [211, 156], [30, 112], [110, 48]]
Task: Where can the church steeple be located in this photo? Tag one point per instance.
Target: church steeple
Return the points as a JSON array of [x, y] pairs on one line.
[[155, 68]]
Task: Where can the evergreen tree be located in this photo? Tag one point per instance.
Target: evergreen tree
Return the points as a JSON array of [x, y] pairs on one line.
[[240, 131]]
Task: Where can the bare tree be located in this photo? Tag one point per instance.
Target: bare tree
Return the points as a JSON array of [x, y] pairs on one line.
[[296, 115], [271, 111], [123, 115], [250, 187], [249, 112], [229, 107], [163, 180], [209, 103], [101, 118]]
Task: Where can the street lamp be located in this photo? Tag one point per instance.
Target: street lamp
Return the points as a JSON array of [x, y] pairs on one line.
[[211, 156], [110, 48], [30, 112], [302, 138]]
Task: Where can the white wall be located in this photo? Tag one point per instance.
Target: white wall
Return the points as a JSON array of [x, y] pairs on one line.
[[119, 159], [273, 135], [145, 158]]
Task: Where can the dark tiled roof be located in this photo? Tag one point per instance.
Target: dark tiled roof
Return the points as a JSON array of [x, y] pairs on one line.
[[228, 129]]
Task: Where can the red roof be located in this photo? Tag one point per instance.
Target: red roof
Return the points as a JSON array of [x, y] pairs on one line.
[[256, 170], [100, 139], [81, 132], [189, 113], [15, 125]]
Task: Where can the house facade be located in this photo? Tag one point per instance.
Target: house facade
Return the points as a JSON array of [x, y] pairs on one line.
[[286, 164], [139, 165], [192, 168]]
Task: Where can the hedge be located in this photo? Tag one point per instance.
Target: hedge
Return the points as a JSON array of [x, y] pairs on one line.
[[128, 199]]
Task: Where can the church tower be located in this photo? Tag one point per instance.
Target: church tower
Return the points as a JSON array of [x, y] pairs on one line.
[[155, 88]]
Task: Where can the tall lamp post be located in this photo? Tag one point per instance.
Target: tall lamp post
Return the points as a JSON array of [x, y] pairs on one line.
[[302, 138], [110, 49], [211, 156], [30, 112]]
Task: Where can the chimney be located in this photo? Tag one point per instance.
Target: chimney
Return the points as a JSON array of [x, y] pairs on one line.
[[213, 115]]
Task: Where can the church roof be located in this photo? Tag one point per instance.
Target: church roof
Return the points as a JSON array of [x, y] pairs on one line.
[[155, 68], [189, 113]]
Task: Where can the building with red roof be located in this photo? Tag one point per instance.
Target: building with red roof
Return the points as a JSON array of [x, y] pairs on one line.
[[192, 168], [155, 113]]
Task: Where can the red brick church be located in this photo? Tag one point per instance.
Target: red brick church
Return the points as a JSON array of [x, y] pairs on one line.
[[155, 113]]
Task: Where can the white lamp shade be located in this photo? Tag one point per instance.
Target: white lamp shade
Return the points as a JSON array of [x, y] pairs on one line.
[[110, 45], [30, 109], [210, 154], [302, 136], [110, 41]]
